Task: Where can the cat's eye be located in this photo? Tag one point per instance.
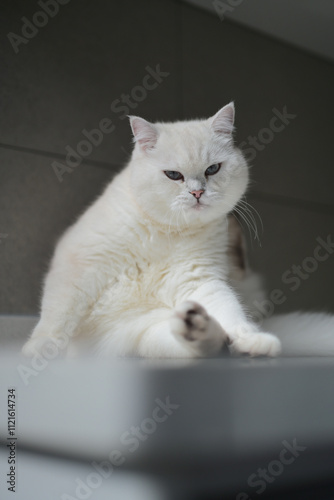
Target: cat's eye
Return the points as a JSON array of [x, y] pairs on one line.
[[213, 169], [175, 176]]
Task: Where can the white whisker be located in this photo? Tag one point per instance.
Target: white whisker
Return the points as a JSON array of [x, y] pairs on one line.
[[250, 209], [244, 210]]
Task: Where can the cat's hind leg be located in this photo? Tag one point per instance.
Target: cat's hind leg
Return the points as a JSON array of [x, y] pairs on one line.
[[65, 305], [189, 333]]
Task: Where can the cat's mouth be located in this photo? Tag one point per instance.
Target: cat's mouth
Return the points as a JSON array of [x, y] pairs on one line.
[[199, 205]]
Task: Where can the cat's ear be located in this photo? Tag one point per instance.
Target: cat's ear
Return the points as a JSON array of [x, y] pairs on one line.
[[223, 121], [144, 132]]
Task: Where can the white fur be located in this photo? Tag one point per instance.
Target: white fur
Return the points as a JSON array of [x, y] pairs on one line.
[[144, 271]]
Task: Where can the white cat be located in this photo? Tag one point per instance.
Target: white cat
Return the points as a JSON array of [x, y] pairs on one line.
[[147, 269]]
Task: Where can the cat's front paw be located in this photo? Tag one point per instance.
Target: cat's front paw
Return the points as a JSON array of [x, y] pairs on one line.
[[257, 344]]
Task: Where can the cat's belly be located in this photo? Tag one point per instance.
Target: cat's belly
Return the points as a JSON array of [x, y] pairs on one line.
[[139, 298], [127, 305], [143, 288]]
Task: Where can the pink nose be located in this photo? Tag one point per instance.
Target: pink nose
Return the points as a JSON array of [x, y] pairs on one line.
[[197, 194]]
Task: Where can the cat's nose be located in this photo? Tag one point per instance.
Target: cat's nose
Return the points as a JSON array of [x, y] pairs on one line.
[[197, 194]]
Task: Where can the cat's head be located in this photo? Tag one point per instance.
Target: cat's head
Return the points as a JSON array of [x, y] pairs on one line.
[[189, 172]]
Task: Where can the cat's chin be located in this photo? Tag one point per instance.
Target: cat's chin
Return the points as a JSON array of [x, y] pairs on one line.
[[199, 206]]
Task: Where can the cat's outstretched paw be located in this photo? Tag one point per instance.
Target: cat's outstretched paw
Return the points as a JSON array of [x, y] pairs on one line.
[[256, 344], [192, 325]]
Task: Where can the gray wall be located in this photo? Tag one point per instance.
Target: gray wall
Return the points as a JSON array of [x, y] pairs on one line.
[[64, 79]]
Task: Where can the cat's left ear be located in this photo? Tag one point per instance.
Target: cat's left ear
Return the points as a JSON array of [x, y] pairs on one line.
[[223, 121], [144, 132]]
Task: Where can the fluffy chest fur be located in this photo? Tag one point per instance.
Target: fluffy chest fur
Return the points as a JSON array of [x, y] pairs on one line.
[[156, 271]]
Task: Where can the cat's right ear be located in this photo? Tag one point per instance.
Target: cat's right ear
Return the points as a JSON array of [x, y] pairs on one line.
[[223, 121], [144, 132]]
